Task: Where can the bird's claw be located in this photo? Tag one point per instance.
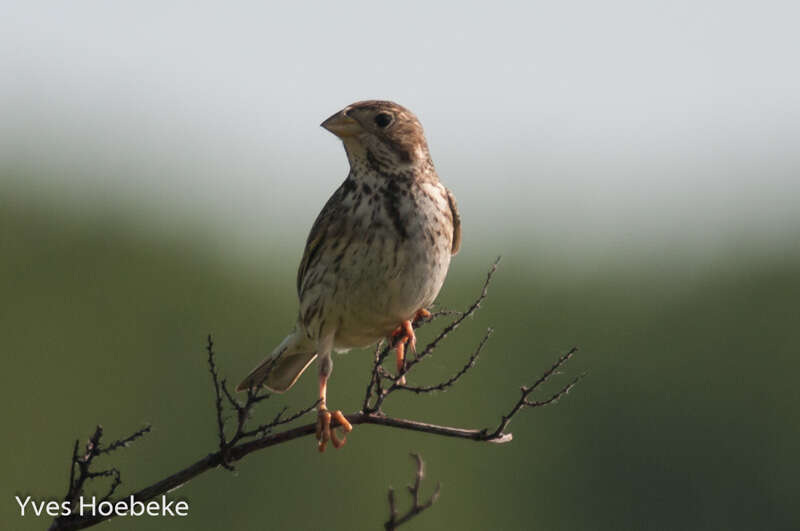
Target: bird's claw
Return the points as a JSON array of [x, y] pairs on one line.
[[324, 431], [405, 334]]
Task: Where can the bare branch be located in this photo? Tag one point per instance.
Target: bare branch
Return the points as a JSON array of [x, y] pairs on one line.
[[474, 307], [72, 465], [124, 443], [392, 510], [453, 379], [526, 391], [374, 384], [218, 401], [417, 507], [83, 465], [376, 394], [246, 440], [114, 484], [264, 429]]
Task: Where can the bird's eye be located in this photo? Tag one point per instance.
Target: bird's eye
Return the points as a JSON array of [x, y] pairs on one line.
[[383, 119]]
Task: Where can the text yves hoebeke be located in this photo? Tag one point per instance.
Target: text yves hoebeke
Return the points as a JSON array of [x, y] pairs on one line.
[[93, 507]]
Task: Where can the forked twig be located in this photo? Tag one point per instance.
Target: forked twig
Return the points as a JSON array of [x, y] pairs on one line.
[[417, 507]]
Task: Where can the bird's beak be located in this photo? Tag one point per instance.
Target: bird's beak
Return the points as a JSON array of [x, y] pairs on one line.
[[342, 125]]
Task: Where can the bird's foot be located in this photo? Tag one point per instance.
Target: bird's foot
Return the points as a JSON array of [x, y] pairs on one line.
[[324, 431], [404, 334]]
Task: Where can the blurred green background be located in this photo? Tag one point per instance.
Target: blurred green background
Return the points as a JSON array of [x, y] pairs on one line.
[[686, 420], [635, 165]]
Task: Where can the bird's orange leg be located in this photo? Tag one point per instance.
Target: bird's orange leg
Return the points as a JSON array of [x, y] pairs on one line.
[[324, 431], [402, 335], [405, 334]]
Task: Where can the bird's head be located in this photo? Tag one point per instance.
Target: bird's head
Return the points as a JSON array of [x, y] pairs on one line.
[[383, 134]]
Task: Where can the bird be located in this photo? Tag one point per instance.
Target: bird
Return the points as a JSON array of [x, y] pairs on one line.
[[375, 259]]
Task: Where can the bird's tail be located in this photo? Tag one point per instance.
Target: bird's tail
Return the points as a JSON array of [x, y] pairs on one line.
[[281, 369]]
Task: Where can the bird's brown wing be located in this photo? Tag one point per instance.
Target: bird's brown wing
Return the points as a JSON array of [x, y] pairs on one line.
[[456, 222], [318, 235]]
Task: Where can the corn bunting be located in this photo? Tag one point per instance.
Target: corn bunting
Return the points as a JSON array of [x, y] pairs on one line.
[[376, 256]]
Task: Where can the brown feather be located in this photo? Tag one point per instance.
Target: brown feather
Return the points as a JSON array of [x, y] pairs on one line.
[[451, 200]]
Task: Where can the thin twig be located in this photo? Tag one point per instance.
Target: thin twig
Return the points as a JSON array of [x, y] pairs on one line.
[[212, 367], [83, 465], [374, 380], [72, 465], [264, 429], [475, 306], [379, 395], [453, 379], [526, 391], [417, 507], [116, 482], [234, 403], [124, 443]]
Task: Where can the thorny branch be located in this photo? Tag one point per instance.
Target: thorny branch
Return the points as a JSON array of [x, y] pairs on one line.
[[245, 439], [243, 411], [82, 464], [417, 507]]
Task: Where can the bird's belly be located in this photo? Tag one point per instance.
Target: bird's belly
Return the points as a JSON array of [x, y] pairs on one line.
[[393, 281]]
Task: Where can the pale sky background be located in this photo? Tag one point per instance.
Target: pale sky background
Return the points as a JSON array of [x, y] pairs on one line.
[[584, 124]]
